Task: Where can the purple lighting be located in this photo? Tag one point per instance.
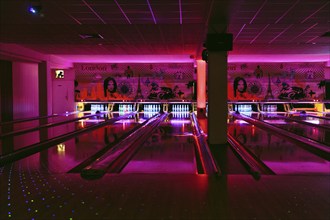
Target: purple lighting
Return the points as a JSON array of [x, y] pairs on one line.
[[311, 27], [32, 10], [255, 15], [259, 33], [152, 13], [96, 14], [122, 11], [314, 12], [240, 31], [285, 13], [280, 33], [180, 10]]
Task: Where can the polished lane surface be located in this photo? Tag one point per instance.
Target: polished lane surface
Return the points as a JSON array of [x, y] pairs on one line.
[[65, 156], [171, 148], [278, 153], [30, 192], [319, 134], [36, 122], [13, 143]]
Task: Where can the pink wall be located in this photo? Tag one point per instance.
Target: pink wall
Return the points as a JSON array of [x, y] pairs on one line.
[[63, 92], [25, 90]]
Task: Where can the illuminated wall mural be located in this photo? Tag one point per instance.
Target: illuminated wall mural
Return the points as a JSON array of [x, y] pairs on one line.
[[276, 81], [163, 81], [159, 81]]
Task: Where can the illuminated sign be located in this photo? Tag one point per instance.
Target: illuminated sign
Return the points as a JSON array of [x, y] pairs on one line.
[[59, 74], [61, 148]]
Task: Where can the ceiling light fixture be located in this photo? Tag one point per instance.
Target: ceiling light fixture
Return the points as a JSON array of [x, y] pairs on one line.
[[35, 8]]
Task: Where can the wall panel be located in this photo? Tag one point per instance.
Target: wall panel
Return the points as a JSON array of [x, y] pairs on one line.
[[25, 90]]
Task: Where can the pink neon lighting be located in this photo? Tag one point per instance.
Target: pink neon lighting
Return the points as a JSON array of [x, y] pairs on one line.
[[280, 33], [304, 31], [180, 10], [314, 13], [122, 11], [258, 11], [240, 31], [152, 13], [97, 15], [259, 33], [277, 58], [128, 58], [280, 18]]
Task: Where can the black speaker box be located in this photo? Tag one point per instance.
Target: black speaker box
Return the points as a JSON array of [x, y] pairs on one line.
[[219, 42]]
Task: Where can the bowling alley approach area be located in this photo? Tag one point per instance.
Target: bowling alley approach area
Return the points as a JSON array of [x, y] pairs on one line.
[[164, 110], [151, 160]]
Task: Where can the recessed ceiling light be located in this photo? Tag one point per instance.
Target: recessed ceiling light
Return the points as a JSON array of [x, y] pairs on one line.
[[35, 8]]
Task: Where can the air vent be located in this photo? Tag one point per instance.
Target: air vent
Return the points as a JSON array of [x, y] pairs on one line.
[[91, 36], [326, 34]]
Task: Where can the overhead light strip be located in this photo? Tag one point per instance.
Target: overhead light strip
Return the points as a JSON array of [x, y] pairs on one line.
[[239, 32], [304, 31], [152, 13], [259, 34], [280, 34], [76, 20], [314, 12], [122, 12], [61, 8], [312, 39], [280, 18], [96, 14], [258, 12], [180, 10]]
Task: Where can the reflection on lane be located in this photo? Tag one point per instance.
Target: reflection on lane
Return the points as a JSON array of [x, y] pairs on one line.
[[315, 133], [63, 157], [305, 117], [279, 154], [170, 149], [13, 143], [6, 128]]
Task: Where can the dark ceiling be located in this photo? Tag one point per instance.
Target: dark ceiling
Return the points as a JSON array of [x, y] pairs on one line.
[[166, 27]]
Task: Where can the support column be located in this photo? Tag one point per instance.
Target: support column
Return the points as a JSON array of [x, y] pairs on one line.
[[6, 104], [217, 97], [43, 108], [43, 93], [6, 87], [201, 89]]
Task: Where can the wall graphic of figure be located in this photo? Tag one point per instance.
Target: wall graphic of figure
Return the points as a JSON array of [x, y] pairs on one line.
[[240, 85], [110, 85], [258, 72], [129, 72]]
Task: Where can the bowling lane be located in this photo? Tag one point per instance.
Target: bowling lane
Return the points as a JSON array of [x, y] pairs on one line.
[[170, 149], [318, 134], [13, 143], [278, 153], [65, 156], [23, 125], [304, 117], [313, 120]]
